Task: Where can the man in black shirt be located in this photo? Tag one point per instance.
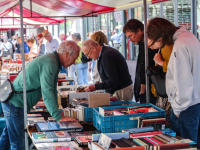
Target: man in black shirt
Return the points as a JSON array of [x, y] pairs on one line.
[[134, 30], [112, 68]]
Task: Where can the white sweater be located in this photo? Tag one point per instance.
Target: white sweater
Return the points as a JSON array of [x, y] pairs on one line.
[[183, 72]]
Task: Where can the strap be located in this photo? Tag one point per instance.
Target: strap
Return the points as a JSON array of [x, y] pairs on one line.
[[5, 47], [20, 92]]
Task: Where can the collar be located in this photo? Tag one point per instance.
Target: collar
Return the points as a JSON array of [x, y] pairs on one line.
[[59, 64], [100, 52]]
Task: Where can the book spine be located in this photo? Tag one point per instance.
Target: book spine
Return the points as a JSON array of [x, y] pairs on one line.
[[129, 143], [151, 141], [166, 138], [161, 139], [157, 141]]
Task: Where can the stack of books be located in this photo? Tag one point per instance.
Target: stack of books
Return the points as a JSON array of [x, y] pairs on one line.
[[76, 113]]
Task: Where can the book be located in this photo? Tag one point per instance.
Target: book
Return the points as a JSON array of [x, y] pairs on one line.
[[96, 146], [53, 146], [157, 123], [104, 141], [70, 126], [48, 137], [34, 122], [84, 133], [161, 139], [136, 130], [113, 136], [145, 134], [83, 140], [172, 146], [36, 110], [33, 115]]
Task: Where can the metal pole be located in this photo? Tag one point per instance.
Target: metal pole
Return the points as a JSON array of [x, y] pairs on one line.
[[124, 47], [24, 74], [146, 51], [93, 24], [84, 28], [31, 7], [51, 17], [176, 13], [194, 17], [107, 27], [131, 44], [65, 28], [161, 9]]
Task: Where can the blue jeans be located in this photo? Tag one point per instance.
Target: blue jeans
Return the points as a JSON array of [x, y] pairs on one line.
[[13, 133], [187, 124], [71, 72], [81, 70]]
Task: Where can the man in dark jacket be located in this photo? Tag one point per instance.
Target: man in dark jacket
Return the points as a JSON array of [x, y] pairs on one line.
[[134, 30], [112, 68]]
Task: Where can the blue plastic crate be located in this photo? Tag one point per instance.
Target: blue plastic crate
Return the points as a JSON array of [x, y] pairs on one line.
[[89, 111], [109, 124], [2, 124]]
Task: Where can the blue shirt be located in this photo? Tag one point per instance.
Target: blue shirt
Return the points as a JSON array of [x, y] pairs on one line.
[[116, 37], [52, 45]]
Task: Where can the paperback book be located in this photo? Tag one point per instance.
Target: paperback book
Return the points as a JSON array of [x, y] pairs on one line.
[[58, 146], [70, 126], [48, 137]]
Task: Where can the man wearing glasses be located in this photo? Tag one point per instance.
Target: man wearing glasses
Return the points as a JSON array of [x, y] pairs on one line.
[[112, 68], [134, 30]]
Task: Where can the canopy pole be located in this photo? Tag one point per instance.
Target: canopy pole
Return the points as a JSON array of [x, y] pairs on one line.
[[24, 74], [65, 28], [31, 7], [146, 51]]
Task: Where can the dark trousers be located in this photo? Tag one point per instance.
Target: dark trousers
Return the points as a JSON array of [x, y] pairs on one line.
[[187, 124]]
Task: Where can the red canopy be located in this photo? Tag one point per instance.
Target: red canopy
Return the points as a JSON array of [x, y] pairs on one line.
[[41, 8]]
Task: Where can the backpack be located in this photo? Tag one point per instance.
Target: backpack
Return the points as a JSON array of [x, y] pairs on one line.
[[84, 58]]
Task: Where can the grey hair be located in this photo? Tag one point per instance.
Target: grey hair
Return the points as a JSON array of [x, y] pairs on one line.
[[68, 46], [77, 36], [89, 43]]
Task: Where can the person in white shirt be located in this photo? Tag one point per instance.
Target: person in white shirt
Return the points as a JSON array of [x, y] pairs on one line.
[[6, 48], [52, 42]]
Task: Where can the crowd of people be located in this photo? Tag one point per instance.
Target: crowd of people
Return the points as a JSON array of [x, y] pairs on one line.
[[173, 48]]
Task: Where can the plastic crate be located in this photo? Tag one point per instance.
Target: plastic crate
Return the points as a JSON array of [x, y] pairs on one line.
[[89, 111], [2, 124], [109, 124]]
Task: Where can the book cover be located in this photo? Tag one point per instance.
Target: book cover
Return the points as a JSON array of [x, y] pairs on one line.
[[48, 137], [70, 126], [34, 122], [157, 124], [84, 133], [143, 134], [33, 115], [58, 145], [136, 130]]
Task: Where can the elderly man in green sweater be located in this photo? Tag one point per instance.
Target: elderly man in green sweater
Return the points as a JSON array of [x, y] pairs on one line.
[[41, 79]]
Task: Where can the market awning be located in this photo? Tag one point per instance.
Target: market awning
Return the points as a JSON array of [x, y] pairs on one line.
[[53, 8]]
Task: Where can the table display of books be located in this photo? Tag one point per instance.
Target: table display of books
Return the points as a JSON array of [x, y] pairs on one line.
[[149, 133]]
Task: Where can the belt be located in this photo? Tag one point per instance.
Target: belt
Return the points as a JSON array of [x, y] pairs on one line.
[[116, 43]]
